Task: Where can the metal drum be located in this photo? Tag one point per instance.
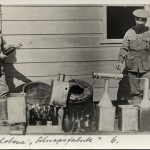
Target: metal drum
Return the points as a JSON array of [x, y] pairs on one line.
[[80, 91]]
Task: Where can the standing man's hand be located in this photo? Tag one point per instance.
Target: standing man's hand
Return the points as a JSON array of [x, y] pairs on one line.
[[2, 56], [118, 65]]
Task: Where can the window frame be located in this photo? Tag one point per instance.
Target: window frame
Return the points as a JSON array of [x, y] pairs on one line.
[[113, 41]]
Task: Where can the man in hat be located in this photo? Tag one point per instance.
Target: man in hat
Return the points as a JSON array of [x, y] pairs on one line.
[[135, 51]]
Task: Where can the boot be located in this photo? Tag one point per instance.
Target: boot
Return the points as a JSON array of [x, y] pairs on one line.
[[136, 100]]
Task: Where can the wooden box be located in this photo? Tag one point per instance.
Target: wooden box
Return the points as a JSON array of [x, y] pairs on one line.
[[128, 118], [144, 119], [4, 130], [16, 107], [105, 118]]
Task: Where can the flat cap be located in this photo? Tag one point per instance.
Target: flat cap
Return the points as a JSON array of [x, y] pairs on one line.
[[141, 13]]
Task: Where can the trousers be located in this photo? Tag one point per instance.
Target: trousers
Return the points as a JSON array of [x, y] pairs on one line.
[[136, 82], [3, 87]]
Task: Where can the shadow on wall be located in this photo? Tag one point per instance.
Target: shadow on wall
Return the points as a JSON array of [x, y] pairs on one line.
[[11, 72], [124, 92]]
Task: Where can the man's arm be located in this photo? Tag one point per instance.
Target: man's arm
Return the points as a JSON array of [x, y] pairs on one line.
[[123, 51]]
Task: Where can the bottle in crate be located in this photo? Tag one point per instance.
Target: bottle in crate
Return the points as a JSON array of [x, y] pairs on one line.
[[39, 116], [32, 116], [44, 121]]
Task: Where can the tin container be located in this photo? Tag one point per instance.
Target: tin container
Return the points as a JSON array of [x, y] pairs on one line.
[[144, 119], [128, 118], [105, 118]]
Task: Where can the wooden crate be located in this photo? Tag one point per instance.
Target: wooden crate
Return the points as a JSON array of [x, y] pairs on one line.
[[105, 118], [4, 130], [16, 107], [128, 118], [144, 119]]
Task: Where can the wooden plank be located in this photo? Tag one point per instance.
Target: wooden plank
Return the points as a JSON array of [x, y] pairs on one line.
[[68, 68], [105, 21], [111, 41], [51, 27], [54, 41], [51, 13], [56, 55]]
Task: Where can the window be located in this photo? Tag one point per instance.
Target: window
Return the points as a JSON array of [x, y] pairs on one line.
[[119, 19]]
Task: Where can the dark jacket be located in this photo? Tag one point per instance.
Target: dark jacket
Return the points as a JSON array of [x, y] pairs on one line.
[[135, 50]]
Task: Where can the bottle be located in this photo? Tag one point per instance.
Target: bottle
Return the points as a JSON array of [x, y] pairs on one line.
[[87, 123], [39, 116], [55, 116], [66, 123], [93, 123], [44, 121], [72, 117], [82, 120], [48, 113], [76, 123], [32, 119]]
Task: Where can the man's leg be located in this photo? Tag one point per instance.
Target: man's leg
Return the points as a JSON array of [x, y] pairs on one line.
[[135, 88], [142, 81], [3, 98], [3, 87]]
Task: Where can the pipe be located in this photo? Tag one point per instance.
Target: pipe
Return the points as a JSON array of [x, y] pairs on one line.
[[107, 75]]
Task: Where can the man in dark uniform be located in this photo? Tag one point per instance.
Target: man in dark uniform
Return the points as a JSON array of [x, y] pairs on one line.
[[135, 50]]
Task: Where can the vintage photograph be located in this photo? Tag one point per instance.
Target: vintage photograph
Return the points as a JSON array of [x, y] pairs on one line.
[[75, 71]]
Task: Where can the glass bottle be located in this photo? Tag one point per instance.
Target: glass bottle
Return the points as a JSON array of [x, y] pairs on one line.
[[72, 117], [39, 116], [32, 116], [55, 116], [44, 121], [48, 113], [76, 123], [87, 123], [66, 124], [93, 123], [82, 120]]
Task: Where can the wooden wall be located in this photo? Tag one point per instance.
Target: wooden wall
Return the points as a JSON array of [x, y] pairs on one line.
[[58, 39]]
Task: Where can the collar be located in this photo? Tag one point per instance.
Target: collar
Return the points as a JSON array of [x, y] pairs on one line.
[[140, 30]]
